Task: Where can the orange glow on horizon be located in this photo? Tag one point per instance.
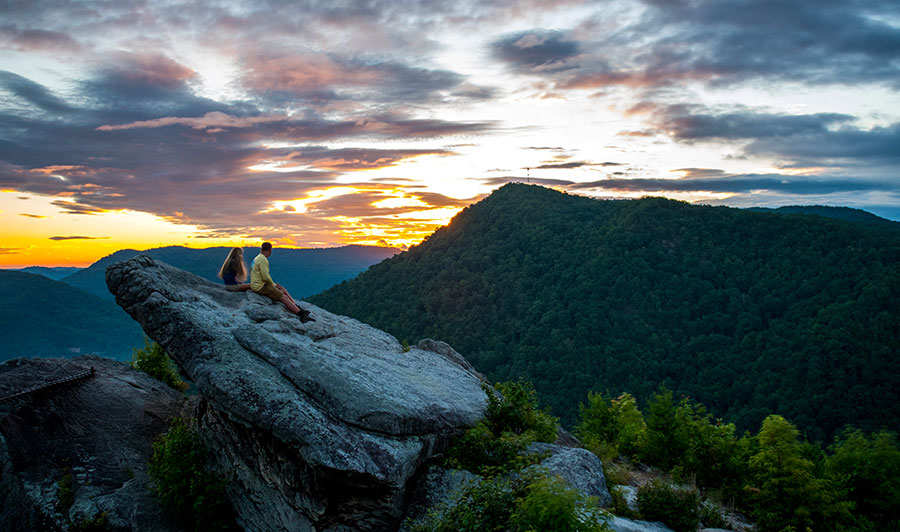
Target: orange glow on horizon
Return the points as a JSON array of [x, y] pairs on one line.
[[44, 231]]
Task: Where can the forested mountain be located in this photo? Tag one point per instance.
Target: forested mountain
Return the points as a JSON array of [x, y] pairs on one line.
[[302, 271], [751, 313], [43, 317], [55, 273], [857, 216]]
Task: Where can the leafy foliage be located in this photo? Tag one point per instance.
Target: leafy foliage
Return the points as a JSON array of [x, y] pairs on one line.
[[748, 312], [775, 477], [529, 502], [786, 490], [153, 360], [193, 496], [66, 493], [868, 467], [677, 508], [97, 524], [611, 427], [497, 443]]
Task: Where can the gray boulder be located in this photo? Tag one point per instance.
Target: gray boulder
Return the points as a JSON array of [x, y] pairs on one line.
[[435, 489], [438, 487], [580, 468], [620, 524], [77, 451], [319, 426]]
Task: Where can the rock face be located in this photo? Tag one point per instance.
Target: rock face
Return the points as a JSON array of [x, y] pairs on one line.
[[73, 452], [323, 423], [579, 467]]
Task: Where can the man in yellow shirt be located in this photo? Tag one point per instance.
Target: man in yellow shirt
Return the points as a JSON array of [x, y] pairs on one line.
[[261, 283]]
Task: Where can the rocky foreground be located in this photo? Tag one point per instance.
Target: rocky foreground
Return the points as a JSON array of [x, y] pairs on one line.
[[324, 426]]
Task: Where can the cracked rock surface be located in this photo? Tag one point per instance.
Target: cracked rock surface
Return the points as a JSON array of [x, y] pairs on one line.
[[74, 452], [324, 423]]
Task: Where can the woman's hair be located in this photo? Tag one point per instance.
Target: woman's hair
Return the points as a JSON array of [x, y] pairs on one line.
[[234, 262]]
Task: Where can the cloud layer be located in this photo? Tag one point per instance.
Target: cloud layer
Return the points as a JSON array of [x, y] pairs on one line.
[[320, 119]]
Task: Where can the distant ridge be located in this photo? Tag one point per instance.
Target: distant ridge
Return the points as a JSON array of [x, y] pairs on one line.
[[302, 271], [846, 214], [55, 273], [751, 313], [43, 317]]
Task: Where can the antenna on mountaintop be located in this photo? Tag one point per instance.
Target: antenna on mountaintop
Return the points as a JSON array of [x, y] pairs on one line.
[[528, 175]]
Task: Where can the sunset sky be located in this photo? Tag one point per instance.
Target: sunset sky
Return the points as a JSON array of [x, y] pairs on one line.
[[142, 123]]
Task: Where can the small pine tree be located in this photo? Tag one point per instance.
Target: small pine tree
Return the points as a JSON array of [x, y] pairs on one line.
[[153, 360], [786, 491], [665, 446]]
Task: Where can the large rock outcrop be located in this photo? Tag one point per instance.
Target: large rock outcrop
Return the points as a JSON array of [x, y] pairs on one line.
[[77, 452], [318, 426]]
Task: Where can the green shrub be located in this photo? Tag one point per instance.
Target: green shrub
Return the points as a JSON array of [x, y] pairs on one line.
[[677, 508], [66, 493], [194, 497], [786, 492], [529, 502], [516, 410], [97, 524], [711, 516], [868, 467], [609, 428], [666, 445], [497, 443], [619, 504], [153, 360]]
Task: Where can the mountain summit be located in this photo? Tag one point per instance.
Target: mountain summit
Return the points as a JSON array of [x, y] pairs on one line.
[[341, 402], [748, 312]]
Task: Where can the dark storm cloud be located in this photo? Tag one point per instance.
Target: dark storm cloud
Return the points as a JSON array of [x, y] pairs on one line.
[[717, 42], [716, 181], [29, 92], [694, 122], [813, 138], [498, 181], [833, 41], [319, 78], [573, 164], [536, 51]]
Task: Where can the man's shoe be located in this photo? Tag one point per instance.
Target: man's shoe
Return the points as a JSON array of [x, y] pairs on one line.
[[304, 316]]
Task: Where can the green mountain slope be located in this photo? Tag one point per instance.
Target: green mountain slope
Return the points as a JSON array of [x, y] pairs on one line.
[[43, 317], [55, 273], [302, 271], [848, 214], [750, 313]]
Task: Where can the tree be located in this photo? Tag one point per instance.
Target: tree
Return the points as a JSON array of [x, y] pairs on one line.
[[785, 490], [666, 445], [869, 469]]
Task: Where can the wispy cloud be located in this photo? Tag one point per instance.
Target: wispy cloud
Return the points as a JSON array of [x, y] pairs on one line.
[[78, 237]]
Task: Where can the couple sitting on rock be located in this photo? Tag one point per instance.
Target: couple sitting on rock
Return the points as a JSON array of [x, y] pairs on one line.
[[233, 272]]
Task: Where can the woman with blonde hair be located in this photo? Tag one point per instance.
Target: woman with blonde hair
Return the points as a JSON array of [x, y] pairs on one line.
[[234, 272]]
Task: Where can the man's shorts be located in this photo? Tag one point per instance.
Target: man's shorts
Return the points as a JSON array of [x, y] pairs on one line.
[[271, 292]]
